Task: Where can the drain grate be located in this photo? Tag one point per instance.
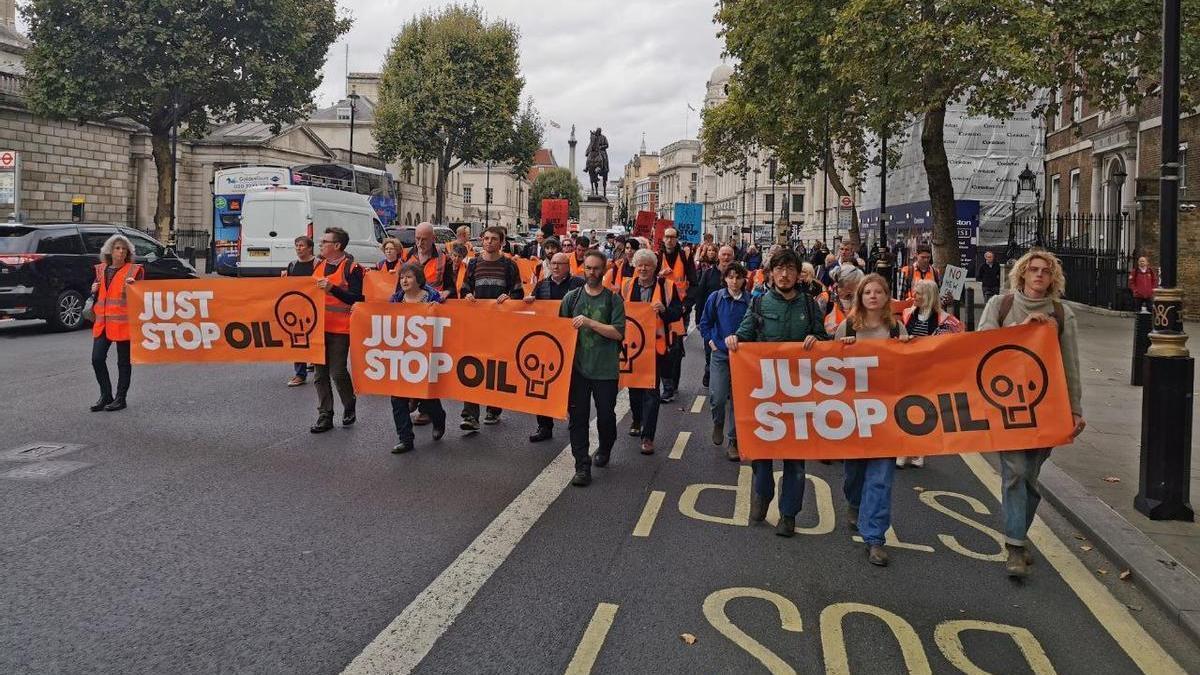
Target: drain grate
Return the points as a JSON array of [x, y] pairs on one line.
[[31, 452], [44, 471]]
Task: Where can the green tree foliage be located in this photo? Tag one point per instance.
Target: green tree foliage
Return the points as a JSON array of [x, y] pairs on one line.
[[155, 61], [451, 95], [557, 183]]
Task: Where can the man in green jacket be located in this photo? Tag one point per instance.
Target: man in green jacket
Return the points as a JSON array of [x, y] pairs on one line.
[[783, 314]]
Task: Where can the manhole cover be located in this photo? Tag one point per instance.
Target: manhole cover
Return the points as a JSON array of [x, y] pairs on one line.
[[36, 451], [44, 471]]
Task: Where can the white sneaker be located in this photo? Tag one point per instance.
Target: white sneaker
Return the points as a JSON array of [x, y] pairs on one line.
[[916, 462], [901, 462]]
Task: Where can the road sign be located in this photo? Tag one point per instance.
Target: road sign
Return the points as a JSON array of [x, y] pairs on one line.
[[953, 280], [8, 160], [844, 217], [846, 202]]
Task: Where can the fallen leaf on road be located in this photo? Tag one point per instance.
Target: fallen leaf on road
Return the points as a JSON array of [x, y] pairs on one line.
[[1080, 537], [688, 638], [1097, 370], [1111, 479], [1136, 608], [1085, 548], [1101, 571], [1125, 575], [918, 489]]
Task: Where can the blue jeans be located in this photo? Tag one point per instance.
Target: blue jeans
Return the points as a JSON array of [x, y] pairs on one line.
[[868, 488], [718, 392], [404, 425], [1019, 470], [301, 370], [791, 489]]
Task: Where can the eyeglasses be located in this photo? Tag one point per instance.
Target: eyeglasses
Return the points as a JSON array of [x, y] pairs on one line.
[[328, 241]]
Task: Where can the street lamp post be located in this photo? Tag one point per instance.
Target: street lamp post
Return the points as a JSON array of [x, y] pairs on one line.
[[742, 234], [704, 215], [754, 200], [487, 196], [1025, 183], [1168, 372], [353, 109]]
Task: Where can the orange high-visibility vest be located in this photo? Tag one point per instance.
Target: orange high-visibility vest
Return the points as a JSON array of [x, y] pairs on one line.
[[615, 279], [914, 274], [337, 313], [576, 266], [112, 317], [678, 271], [835, 318], [434, 275], [664, 334]]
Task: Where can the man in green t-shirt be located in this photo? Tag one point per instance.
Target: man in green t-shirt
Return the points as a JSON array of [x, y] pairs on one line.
[[599, 316]]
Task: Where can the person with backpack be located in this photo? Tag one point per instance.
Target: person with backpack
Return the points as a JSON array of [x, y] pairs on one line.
[[599, 316], [784, 314], [647, 286], [554, 287], [868, 482], [490, 276], [1037, 283], [722, 314]]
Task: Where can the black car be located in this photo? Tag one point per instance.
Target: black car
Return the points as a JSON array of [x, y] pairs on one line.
[[47, 270]]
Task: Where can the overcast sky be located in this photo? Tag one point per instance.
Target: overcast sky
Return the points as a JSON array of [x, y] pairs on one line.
[[629, 66]]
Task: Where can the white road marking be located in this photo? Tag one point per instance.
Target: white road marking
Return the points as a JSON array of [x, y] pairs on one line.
[[593, 640], [680, 443], [645, 522], [1149, 656], [412, 634], [698, 404]]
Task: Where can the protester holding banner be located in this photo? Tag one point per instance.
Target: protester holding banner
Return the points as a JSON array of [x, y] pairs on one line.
[[342, 280], [708, 282], [1038, 282], [554, 287], [647, 286], [114, 274], [599, 316], [302, 266], [782, 315], [412, 288], [490, 276], [925, 318], [436, 266], [868, 482], [722, 315], [458, 256]]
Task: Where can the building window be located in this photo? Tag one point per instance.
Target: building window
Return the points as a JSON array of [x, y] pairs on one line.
[[466, 194], [488, 195], [1055, 187], [769, 203], [797, 203], [1076, 108], [343, 114], [1074, 194], [1183, 167]]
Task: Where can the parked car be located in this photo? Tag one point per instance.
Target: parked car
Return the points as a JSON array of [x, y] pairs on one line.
[[47, 270], [407, 234], [273, 216]]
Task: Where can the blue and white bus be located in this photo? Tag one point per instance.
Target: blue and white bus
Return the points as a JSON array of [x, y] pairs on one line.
[[375, 184], [229, 189]]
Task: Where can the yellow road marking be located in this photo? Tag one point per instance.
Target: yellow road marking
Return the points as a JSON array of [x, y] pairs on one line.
[[593, 639], [698, 404], [645, 523], [680, 442], [1128, 633]]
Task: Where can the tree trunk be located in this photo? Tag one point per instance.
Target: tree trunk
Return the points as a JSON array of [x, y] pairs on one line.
[[160, 148], [840, 188], [941, 188], [439, 194]]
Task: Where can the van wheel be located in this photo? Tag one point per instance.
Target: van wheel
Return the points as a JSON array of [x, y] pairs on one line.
[[68, 311]]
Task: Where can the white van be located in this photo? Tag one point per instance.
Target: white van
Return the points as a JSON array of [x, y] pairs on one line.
[[273, 216]]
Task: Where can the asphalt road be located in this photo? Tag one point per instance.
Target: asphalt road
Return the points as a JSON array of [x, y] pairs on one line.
[[205, 530]]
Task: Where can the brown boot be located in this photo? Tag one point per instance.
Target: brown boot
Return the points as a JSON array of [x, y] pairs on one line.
[[1016, 566], [731, 452]]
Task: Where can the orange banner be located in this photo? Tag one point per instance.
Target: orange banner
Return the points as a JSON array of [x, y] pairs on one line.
[[379, 285], [227, 320], [477, 352], [638, 364], [970, 392], [528, 268]]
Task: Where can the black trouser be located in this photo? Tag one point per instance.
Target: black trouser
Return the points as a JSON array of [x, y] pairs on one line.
[[644, 403], [335, 368], [545, 423], [674, 362], [404, 425], [471, 410], [100, 347], [583, 391]]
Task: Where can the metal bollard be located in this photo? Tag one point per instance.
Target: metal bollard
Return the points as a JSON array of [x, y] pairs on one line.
[[1142, 324], [970, 309]]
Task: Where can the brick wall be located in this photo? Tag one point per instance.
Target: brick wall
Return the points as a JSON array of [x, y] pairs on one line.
[[61, 159]]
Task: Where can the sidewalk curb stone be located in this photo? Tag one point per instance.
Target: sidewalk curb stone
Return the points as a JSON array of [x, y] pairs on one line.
[[1175, 588]]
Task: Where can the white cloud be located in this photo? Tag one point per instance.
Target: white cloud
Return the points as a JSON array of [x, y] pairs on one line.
[[629, 66]]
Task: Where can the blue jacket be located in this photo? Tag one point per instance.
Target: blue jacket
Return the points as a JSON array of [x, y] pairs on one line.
[[722, 316], [434, 295]]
